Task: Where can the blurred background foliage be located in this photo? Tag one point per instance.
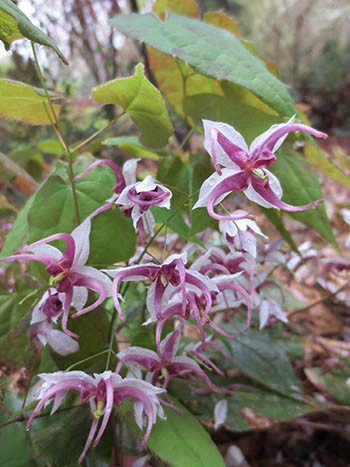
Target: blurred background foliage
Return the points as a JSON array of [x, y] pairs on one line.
[[307, 39]]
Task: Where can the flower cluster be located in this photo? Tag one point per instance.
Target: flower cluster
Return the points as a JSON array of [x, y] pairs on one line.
[[191, 288]]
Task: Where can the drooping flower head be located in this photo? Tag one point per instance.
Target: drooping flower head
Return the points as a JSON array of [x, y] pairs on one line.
[[67, 270], [245, 169], [165, 364], [240, 234], [102, 391], [137, 197], [41, 330], [171, 273], [134, 198]]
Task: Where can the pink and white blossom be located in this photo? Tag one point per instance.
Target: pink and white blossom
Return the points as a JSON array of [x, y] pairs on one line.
[[68, 271], [270, 312], [240, 234], [172, 273], [165, 364], [102, 391], [245, 169]]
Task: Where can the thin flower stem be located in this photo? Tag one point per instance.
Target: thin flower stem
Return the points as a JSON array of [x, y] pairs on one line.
[[111, 335], [187, 137], [56, 126], [98, 132], [71, 179], [53, 113], [165, 239], [91, 357]]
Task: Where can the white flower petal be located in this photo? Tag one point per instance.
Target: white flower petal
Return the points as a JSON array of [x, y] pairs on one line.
[[98, 276], [170, 259], [80, 296], [61, 343], [123, 199], [346, 215], [148, 184], [135, 215], [220, 413], [139, 351], [148, 222], [228, 227], [47, 250], [150, 303], [138, 410], [210, 183], [227, 130], [82, 246], [254, 226], [142, 462], [248, 242], [38, 315], [264, 313], [165, 341], [129, 171]]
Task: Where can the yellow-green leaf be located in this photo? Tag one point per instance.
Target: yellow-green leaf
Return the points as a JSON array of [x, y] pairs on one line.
[[19, 101], [186, 8], [318, 159], [220, 19], [143, 102], [14, 24], [131, 145]]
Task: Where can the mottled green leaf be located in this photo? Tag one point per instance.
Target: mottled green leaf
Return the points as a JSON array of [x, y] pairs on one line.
[[51, 146], [19, 101], [264, 360], [224, 58], [262, 403], [14, 24], [143, 102]]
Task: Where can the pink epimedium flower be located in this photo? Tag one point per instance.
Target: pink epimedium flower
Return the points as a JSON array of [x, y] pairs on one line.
[[45, 313], [60, 343], [240, 234], [102, 391], [171, 273], [138, 197], [69, 274], [270, 312], [164, 365], [134, 198], [245, 169]]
